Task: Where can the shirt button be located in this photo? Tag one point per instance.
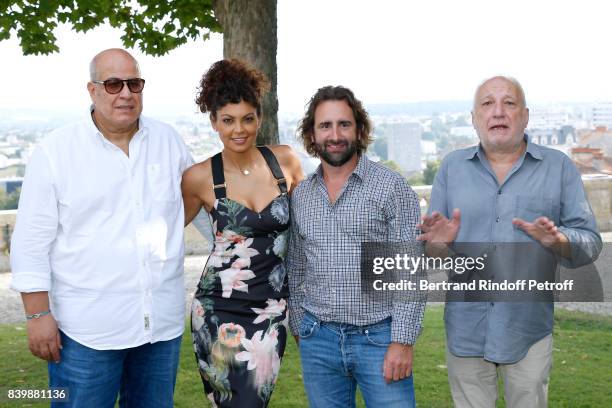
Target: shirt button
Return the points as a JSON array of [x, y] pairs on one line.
[[498, 191], [497, 219]]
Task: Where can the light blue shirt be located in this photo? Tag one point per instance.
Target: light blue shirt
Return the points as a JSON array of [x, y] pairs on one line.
[[543, 182]]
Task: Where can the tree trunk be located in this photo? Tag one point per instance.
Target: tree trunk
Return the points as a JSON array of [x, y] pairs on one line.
[[249, 33]]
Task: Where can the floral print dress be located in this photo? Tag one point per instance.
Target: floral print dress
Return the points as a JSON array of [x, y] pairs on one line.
[[239, 311]]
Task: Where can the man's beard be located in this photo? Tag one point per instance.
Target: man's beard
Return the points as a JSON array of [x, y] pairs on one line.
[[336, 159]]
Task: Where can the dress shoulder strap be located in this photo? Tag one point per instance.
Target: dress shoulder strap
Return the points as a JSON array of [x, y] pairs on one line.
[[275, 168], [218, 177]]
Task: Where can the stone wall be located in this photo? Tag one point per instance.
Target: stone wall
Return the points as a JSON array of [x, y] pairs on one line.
[[599, 190], [194, 242]]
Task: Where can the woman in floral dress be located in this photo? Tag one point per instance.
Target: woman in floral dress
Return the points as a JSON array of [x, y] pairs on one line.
[[239, 312]]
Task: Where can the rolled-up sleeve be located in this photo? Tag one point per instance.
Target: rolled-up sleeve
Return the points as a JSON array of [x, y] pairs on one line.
[[296, 269], [35, 228]]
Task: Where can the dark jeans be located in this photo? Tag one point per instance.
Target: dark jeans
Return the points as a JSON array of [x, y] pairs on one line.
[[143, 376]]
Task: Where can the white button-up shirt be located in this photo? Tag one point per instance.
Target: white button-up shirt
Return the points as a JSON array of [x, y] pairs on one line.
[[103, 233]]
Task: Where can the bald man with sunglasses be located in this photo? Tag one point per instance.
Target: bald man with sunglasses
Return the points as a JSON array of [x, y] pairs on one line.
[[97, 251]]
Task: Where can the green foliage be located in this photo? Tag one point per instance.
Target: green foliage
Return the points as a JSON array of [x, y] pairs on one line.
[[443, 141], [380, 147], [416, 179], [428, 136], [9, 201], [156, 27], [392, 165], [461, 121], [438, 126], [16, 170], [429, 174], [580, 375]]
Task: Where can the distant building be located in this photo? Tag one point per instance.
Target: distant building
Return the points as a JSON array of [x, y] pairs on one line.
[[404, 145], [309, 164], [287, 133], [548, 118], [600, 138], [565, 135], [464, 131], [429, 152], [602, 115], [8, 185], [4, 161], [591, 160]]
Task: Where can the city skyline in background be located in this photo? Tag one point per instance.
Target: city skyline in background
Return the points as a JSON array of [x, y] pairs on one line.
[[388, 53], [415, 67]]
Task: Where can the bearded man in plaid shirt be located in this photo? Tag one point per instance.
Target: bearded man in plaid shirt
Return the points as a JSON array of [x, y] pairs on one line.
[[345, 338]]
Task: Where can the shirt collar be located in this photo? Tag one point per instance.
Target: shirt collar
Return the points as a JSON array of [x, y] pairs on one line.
[[360, 170], [143, 127], [532, 148], [471, 152], [362, 167]]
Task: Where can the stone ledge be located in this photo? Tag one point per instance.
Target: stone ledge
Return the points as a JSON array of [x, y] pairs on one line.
[[599, 190]]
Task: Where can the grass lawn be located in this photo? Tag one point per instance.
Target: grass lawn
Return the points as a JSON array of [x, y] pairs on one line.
[[581, 377]]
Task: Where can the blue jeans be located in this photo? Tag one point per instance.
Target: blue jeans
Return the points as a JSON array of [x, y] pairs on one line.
[[337, 357], [143, 376]]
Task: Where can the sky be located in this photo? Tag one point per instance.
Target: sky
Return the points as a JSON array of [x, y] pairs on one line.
[[386, 51]]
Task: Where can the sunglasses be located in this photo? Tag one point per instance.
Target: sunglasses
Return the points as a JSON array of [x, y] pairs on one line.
[[115, 85]]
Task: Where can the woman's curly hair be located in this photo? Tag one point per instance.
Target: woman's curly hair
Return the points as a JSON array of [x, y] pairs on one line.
[[231, 81]]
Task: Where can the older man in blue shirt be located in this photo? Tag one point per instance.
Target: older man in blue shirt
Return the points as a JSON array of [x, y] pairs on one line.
[[506, 190]]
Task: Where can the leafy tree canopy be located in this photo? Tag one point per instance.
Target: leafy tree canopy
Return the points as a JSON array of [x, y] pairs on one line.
[[416, 179], [9, 201], [429, 174], [392, 165], [156, 27], [380, 147]]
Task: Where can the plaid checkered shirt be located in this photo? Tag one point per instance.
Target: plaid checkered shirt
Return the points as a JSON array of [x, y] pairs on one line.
[[323, 262]]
